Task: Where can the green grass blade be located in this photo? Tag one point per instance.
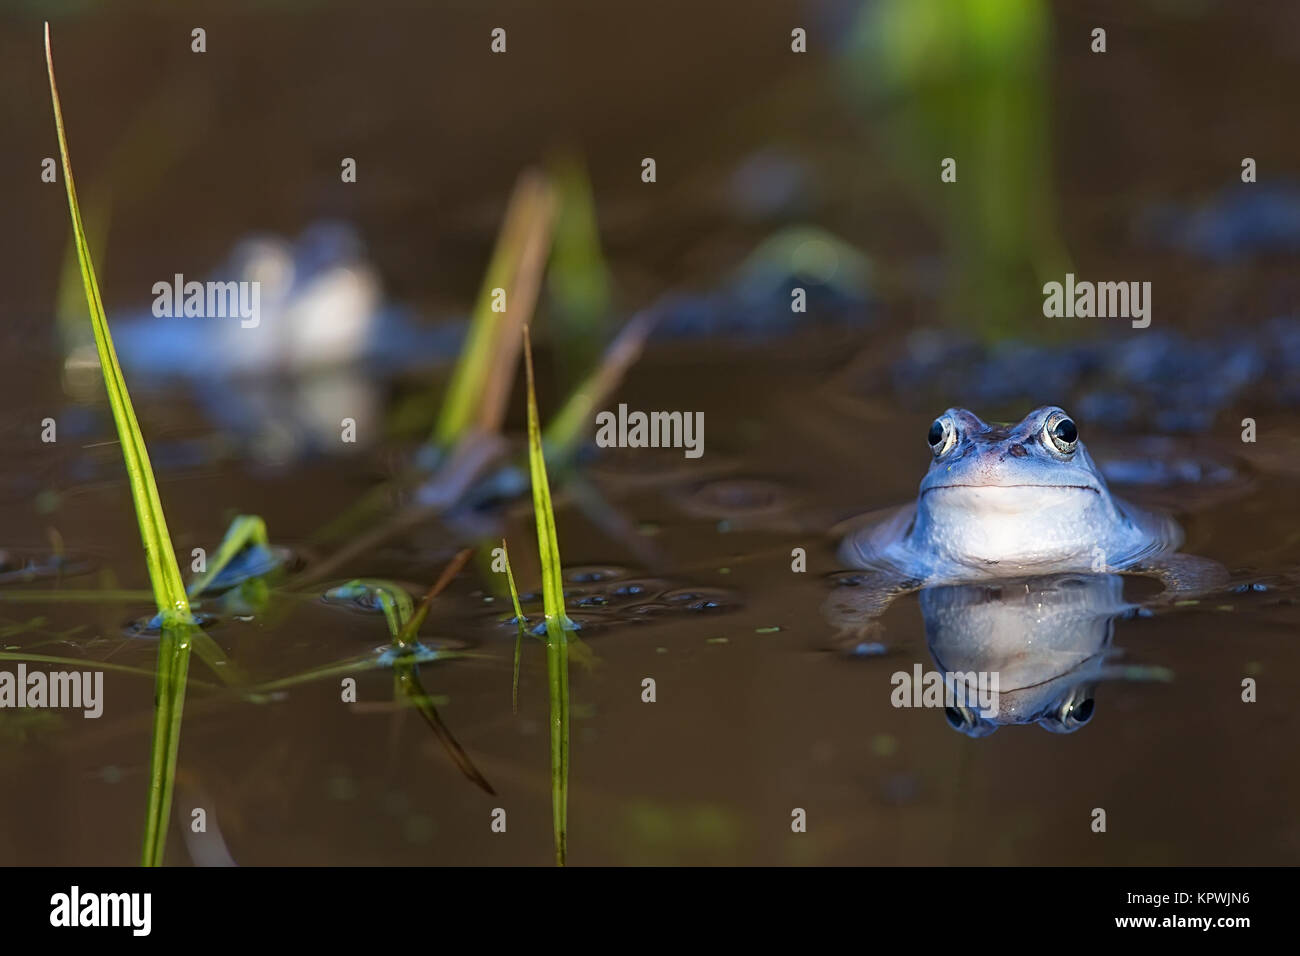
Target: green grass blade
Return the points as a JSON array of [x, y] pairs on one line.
[[164, 574], [574, 421], [557, 621], [578, 280], [391, 598], [544, 511], [245, 530], [407, 635], [517, 258], [69, 317]]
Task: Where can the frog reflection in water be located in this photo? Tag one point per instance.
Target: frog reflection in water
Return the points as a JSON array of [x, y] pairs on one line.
[[1026, 506], [1048, 640]]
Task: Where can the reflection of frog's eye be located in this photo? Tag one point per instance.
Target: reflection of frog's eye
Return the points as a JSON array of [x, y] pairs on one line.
[[1062, 433], [966, 721], [1075, 712], [942, 436]]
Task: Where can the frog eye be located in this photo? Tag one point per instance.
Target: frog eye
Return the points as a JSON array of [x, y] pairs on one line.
[[942, 436], [1061, 432]]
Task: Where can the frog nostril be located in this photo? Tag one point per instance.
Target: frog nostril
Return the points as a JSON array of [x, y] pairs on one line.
[[1018, 451]]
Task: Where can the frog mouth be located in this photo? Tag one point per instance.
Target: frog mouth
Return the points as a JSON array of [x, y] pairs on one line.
[[1094, 490]]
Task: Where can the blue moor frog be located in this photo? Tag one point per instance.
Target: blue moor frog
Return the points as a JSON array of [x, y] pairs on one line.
[[1005, 501]]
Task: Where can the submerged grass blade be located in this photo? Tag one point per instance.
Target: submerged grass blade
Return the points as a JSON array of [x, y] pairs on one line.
[[351, 665], [408, 684], [403, 622], [82, 662], [50, 596], [164, 574], [557, 622], [519, 626], [169, 704]]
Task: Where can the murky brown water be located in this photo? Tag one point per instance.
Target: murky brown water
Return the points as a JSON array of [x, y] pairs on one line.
[[756, 714]]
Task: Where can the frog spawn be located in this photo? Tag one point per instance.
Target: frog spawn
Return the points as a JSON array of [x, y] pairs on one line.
[[24, 568], [604, 596]]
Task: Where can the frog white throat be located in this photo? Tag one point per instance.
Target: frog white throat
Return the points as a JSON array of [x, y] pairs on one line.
[[1019, 527]]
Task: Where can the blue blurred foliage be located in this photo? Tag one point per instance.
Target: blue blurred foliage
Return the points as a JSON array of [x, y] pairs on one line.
[[1159, 379], [1244, 221]]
